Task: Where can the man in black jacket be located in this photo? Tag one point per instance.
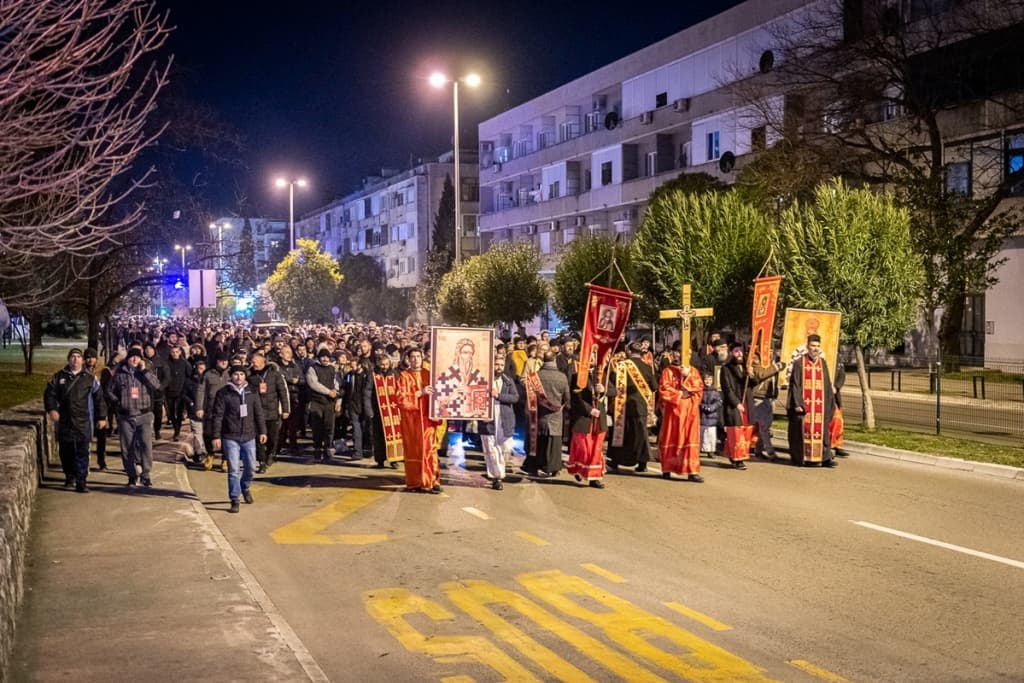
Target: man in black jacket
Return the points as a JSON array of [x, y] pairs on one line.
[[131, 392], [178, 372], [325, 392], [268, 382], [358, 406], [159, 368], [238, 423], [75, 404]]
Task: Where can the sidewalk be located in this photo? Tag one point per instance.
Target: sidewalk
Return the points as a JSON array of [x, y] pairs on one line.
[[140, 585]]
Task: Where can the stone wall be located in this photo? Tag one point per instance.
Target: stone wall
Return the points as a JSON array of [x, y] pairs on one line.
[[26, 443]]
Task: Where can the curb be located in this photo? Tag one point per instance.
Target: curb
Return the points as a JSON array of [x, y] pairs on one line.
[[984, 468]]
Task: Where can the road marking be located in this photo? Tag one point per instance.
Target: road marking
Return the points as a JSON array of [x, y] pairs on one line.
[[603, 573], [530, 538], [711, 623], [940, 544], [288, 635], [308, 530], [817, 671], [477, 513]]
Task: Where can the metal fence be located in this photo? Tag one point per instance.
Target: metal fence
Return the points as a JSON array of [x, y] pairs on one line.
[[966, 397]]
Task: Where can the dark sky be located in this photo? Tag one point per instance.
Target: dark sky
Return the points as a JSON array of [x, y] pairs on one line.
[[335, 90]]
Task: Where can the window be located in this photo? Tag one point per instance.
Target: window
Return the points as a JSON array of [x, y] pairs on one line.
[[411, 264], [470, 189], [396, 233], [586, 180], [553, 190], [661, 99], [1015, 160], [958, 178], [367, 207], [713, 151], [327, 221], [606, 173], [469, 224], [759, 138], [651, 164]]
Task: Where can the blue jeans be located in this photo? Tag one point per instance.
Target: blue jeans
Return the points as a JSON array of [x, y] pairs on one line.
[[246, 452]]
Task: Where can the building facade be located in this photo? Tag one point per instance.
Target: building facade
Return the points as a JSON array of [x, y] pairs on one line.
[[585, 157], [269, 242], [391, 217]]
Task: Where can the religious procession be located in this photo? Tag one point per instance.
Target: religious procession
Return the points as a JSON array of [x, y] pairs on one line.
[[592, 403]]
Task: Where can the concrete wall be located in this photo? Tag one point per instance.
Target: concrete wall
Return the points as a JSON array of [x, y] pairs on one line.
[[26, 443]]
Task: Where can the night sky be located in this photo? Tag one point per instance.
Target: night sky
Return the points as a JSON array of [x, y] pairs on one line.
[[335, 91]]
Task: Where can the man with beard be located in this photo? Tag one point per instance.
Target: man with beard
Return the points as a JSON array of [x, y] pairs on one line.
[[736, 394], [268, 383], [810, 408], [358, 399], [294, 379], [325, 390], [680, 392], [74, 402], [496, 436], [385, 418], [419, 432], [587, 415], [634, 387], [547, 395]]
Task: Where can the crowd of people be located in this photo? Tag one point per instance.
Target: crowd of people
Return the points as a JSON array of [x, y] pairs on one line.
[[363, 391]]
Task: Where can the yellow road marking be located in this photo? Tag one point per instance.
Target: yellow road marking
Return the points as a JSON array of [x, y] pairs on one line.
[[817, 671], [530, 538], [476, 599], [603, 573], [476, 513], [389, 606], [632, 627], [308, 530], [712, 624]]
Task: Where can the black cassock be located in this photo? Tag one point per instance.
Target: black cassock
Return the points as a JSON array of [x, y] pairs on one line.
[[635, 448]]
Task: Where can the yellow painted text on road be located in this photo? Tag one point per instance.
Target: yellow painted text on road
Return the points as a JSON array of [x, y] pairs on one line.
[[515, 621], [712, 624], [530, 538], [817, 671], [603, 573], [310, 529]]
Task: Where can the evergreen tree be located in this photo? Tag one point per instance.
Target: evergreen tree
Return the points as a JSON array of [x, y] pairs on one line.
[[245, 274]]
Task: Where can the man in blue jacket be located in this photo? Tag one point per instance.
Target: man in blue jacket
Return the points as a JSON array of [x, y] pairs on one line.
[[74, 403], [237, 423]]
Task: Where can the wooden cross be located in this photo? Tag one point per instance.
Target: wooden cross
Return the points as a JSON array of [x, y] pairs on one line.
[[686, 314]]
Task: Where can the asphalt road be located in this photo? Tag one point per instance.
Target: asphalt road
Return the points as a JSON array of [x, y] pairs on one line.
[[774, 573]]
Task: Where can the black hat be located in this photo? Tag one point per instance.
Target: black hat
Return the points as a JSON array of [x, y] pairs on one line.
[[73, 352], [323, 351], [219, 356], [813, 338], [135, 351], [238, 359], [736, 345], [91, 353], [239, 368]]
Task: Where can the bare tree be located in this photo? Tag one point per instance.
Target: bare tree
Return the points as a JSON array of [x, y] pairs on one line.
[[918, 96], [77, 83]]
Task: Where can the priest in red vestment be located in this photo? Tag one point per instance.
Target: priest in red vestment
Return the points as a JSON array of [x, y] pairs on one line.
[[680, 391], [810, 408], [419, 432]]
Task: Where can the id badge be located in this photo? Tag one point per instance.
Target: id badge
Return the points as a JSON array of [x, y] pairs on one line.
[[263, 387], [243, 410], [133, 393]]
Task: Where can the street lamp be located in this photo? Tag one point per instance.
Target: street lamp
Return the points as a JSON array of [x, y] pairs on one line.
[[183, 248], [158, 264], [290, 184], [220, 228], [439, 80]]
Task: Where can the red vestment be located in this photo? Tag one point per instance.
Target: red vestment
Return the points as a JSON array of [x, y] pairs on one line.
[[419, 432], [679, 439]]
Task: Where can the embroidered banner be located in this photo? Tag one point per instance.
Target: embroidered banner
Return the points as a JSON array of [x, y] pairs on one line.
[[604, 323], [766, 296], [386, 387]]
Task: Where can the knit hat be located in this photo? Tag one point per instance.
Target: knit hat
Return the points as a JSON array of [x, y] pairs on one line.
[[73, 352], [135, 351], [91, 353]]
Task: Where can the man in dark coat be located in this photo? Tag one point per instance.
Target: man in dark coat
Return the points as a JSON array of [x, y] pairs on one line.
[[75, 404], [269, 384], [552, 399], [587, 416], [178, 372], [496, 436], [634, 386], [238, 424]]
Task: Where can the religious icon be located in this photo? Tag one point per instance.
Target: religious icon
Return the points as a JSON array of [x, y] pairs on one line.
[[606, 318], [801, 322], [462, 390]]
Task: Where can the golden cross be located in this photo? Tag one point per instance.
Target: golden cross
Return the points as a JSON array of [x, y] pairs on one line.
[[686, 314]]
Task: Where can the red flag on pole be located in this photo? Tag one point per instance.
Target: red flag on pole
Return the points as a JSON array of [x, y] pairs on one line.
[[766, 296], [604, 323]]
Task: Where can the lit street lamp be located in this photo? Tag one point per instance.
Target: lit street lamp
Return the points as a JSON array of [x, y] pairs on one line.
[[220, 228], [439, 80], [158, 264], [183, 248], [290, 184]]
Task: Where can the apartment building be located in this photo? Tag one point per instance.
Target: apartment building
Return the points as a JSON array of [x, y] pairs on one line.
[[391, 217], [269, 241], [585, 157]]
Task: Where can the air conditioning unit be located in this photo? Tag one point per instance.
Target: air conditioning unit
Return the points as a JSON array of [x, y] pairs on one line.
[[629, 214], [552, 226], [682, 105], [487, 146], [647, 117], [580, 221], [531, 229]]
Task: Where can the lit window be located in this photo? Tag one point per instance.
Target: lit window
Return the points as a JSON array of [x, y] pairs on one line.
[[713, 150]]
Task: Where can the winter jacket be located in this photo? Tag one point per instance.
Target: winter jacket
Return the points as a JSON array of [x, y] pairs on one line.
[[213, 381], [583, 402], [322, 379], [508, 396], [270, 386], [79, 400], [710, 407], [131, 390], [178, 372], [228, 422]]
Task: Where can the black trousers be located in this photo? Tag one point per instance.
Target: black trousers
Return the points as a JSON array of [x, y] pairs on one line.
[[266, 453], [158, 417], [176, 411], [321, 420]]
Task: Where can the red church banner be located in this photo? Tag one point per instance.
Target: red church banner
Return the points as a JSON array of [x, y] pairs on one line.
[[766, 296], [604, 323]]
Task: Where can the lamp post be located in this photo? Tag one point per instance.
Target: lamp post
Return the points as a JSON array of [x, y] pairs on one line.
[[183, 248], [158, 264], [220, 228], [439, 80], [281, 182]]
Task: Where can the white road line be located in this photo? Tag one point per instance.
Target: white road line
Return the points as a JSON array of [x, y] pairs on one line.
[[948, 546], [477, 513]]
